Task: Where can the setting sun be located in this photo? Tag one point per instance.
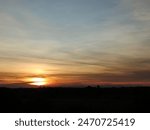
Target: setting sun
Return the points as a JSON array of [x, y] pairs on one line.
[[38, 81]]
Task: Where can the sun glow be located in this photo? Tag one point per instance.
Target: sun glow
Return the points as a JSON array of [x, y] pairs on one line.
[[38, 81]]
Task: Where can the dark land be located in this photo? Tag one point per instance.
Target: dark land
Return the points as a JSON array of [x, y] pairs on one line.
[[109, 99]]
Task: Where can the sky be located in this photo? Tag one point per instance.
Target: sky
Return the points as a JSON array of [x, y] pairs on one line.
[[75, 41]]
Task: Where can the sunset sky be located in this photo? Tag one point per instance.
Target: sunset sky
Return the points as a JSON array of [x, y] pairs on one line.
[[75, 41]]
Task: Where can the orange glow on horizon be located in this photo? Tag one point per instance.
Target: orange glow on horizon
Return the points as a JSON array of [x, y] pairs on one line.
[[37, 81]]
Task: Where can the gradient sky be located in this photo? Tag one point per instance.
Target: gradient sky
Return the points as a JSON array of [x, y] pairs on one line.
[[75, 41]]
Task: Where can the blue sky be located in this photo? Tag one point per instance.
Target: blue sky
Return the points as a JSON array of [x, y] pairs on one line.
[[76, 38]]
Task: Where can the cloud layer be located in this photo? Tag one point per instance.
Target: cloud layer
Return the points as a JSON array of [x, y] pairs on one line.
[[83, 40]]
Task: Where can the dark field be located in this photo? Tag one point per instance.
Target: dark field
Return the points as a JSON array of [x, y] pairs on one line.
[[130, 99]]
